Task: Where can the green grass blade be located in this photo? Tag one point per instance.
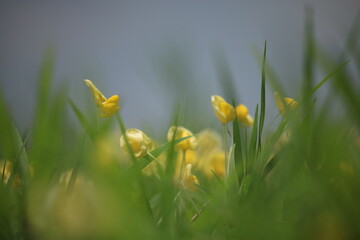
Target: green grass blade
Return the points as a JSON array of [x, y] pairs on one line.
[[308, 65], [271, 76], [238, 149], [7, 137], [254, 135], [148, 158], [22, 159], [262, 104], [225, 76], [82, 119], [352, 40], [329, 76]]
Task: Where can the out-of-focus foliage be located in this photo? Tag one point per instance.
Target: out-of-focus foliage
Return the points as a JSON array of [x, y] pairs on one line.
[[299, 180]]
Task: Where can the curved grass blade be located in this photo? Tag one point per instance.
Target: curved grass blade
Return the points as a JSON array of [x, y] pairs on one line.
[[330, 75]]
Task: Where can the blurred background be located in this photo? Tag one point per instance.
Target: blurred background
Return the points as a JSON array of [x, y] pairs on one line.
[[160, 55]]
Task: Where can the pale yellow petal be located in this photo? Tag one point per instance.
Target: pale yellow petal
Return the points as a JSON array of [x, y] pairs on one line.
[[98, 96]]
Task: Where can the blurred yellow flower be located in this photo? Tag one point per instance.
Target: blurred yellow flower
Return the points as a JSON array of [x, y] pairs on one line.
[[218, 163], [213, 162], [191, 157], [140, 143], [243, 115], [5, 168], [181, 132], [188, 180], [107, 106], [210, 157], [223, 110], [290, 103], [208, 140]]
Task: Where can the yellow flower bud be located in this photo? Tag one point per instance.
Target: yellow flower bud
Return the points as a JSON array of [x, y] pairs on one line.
[[140, 143], [241, 111], [243, 115], [290, 103], [181, 132], [107, 106], [223, 110]]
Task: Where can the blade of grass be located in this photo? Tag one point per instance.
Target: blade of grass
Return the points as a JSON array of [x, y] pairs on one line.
[[82, 119], [262, 104], [308, 64], [168, 209], [21, 165], [148, 158], [238, 150], [225, 76], [138, 173], [271, 75], [7, 137], [254, 135], [330, 75], [352, 42]]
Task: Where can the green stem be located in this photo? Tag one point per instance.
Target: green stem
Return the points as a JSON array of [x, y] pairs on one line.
[[133, 158], [226, 150], [246, 133], [182, 166], [3, 171]]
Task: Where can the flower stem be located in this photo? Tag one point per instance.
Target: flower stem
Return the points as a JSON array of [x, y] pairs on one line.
[[133, 158], [225, 130]]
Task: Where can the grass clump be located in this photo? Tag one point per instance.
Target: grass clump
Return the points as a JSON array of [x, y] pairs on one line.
[[297, 180]]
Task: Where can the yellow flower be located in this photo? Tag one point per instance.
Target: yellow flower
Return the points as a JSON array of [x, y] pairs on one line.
[[6, 168], [140, 143], [218, 163], [107, 106], [223, 110], [243, 115], [214, 161], [189, 181], [181, 132], [290, 103]]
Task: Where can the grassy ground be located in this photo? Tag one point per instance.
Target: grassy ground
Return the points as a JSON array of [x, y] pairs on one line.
[[299, 180]]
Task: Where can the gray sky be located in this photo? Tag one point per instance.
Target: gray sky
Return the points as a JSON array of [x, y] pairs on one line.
[[122, 46]]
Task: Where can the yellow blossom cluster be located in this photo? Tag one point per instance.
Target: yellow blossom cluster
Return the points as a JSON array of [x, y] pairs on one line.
[[225, 112], [202, 153]]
